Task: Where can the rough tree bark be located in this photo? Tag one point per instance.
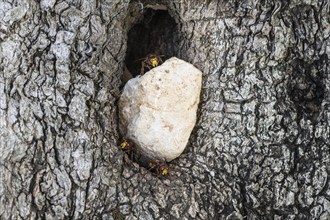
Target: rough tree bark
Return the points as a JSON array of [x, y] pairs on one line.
[[260, 149]]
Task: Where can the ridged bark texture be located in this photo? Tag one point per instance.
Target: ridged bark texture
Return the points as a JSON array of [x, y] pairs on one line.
[[260, 148]]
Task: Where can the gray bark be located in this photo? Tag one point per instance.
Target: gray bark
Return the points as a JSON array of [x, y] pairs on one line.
[[260, 148]]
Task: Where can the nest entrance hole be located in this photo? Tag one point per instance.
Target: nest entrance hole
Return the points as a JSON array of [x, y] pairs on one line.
[[150, 30], [156, 33]]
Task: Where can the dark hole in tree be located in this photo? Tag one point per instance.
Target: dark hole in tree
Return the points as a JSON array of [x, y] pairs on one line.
[[306, 87], [157, 33]]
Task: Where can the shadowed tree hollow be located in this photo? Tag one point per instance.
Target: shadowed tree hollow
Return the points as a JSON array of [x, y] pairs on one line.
[[157, 33], [306, 87]]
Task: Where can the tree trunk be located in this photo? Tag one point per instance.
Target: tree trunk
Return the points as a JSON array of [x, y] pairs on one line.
[[260, 148]]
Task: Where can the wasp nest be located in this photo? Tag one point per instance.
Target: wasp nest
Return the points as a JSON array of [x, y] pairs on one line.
[[158, 110]]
